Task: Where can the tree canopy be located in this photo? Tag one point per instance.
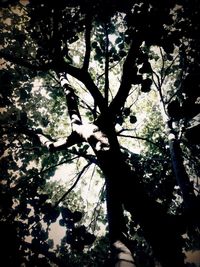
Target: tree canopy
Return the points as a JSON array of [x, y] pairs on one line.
[[106, 94]]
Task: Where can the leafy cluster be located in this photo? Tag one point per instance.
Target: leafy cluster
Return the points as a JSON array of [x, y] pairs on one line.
[[135, 69]]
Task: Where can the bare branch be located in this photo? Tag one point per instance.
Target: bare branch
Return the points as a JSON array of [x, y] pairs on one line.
[[88, 24], [74, 184], [61, 144], [140, 138], [126, 80], [96, 211], [106, 64], [86, 79], [163, 65]]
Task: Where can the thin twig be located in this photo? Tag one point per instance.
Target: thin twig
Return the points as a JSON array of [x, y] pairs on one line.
[[96, 212], [140, 138], [63, 197], [74, 184]]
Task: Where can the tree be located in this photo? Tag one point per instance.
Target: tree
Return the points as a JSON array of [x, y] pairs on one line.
[[74, 49]]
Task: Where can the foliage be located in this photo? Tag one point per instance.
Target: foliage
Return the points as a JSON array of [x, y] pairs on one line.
[[134, 68]]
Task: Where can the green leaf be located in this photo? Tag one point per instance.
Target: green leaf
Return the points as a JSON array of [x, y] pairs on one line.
[[133, 119], [122, 53], [118, 40], [89, 239], [77, 216], [146, 85], [126, 111]]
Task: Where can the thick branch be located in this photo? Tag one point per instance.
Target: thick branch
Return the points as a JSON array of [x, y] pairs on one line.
[[48, 142], [88, 25], [94, 91], [61, 144], [87, 132], [33, 133], [79, 74], [106, 64], [86, 79], [181, 175], [126, 81]]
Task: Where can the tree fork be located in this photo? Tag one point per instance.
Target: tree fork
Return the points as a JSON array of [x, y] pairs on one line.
[[157, 226], [100, 144]]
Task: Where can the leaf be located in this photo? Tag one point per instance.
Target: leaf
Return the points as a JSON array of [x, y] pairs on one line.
[[136, 79], [51, 213], [133, 119], [35, 243], [66, 213], [62, 222], [77, 216], [122, 53], [69, 238], [70, 224], [94, 44], [146, 68], [118, 40], [146, 85], [23, 118], [50, 243], [174, 109], [89, 239], [23, 95], [126, 111]]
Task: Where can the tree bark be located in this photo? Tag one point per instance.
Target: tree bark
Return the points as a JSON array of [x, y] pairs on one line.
[[124, 190], [181, 175], [124, 257]]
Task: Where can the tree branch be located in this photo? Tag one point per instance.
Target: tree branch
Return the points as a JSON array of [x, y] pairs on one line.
[[74, 184], [61, 144], [84, 77], [106, 64], [77, 73], [33, 133], [88, 24], [96, 211], [87, 132], [24, 62], [48, 142], [61, 66], [126, 80], [140, 138]]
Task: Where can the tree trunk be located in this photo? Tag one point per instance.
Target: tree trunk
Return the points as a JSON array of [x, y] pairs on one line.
[[181, 175], [124, 257], [125, 188]]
